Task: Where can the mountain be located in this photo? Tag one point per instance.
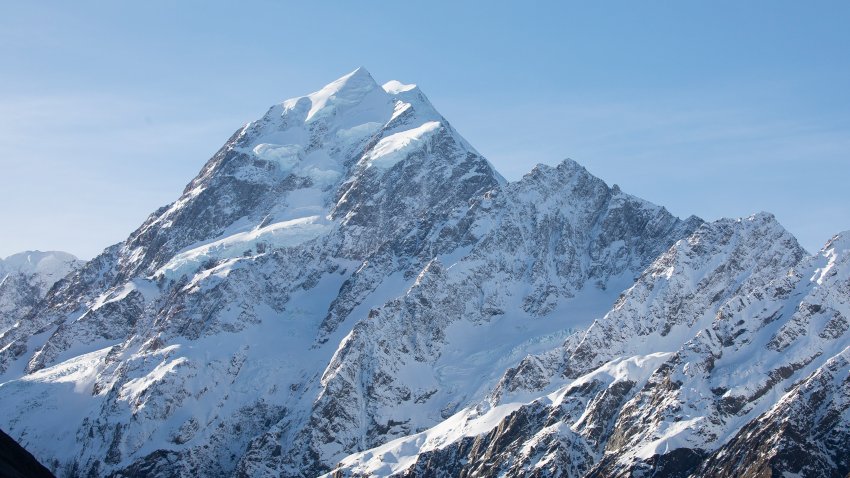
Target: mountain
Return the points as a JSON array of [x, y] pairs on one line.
[[349, 287], [25, 279]]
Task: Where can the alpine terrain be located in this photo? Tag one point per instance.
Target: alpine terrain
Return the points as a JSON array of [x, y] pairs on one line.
[[25, 279], [348, 288]]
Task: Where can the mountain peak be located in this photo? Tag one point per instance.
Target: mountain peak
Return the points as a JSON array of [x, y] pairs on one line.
[[311, 159], [838, 242], [569, 164], [762, 217], [347, 90]]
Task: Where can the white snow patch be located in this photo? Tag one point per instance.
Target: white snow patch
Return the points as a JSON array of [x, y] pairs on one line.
[[286, 156], [49, 266], [360, 131], [346, 91], [81, 370], [398, 108], [395, 147], [394, 87], [401, 453], [281, 234], [137, 386], [322, 176]]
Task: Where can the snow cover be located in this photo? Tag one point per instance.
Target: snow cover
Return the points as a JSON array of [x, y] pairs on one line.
[[394, 87], [282, 234], [396, 147], [400, 454], [285, 155], [346, 91]]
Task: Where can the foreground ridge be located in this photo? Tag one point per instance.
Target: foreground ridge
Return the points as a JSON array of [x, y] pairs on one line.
[[16, 462]]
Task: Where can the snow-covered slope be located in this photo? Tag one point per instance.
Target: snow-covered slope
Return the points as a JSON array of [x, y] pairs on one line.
[[527, 263], [25, 279], [676, 296], [758, 384], [348, 285]]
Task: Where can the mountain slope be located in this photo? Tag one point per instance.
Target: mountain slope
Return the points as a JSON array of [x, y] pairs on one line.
[[759, 387], [537, 257], [676, 296]]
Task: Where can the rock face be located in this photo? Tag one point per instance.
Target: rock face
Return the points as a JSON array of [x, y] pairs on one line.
[[805, 433], [348, 287]]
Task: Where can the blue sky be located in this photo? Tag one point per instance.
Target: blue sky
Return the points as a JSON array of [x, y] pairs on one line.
[[719, 109]]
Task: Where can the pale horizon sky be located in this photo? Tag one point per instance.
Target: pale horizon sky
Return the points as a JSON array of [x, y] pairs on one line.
[[718, 109]]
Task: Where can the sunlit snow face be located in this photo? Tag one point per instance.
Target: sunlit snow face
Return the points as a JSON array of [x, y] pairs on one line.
[[396, 147]]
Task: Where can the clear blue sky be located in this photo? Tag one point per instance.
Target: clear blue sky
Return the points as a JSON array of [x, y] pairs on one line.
[[721, 108]]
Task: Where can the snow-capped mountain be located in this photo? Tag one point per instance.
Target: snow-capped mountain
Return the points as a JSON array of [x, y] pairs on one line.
[[349, 287], [25, 279]]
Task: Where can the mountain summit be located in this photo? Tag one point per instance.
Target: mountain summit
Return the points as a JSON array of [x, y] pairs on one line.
[[349, 287]]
